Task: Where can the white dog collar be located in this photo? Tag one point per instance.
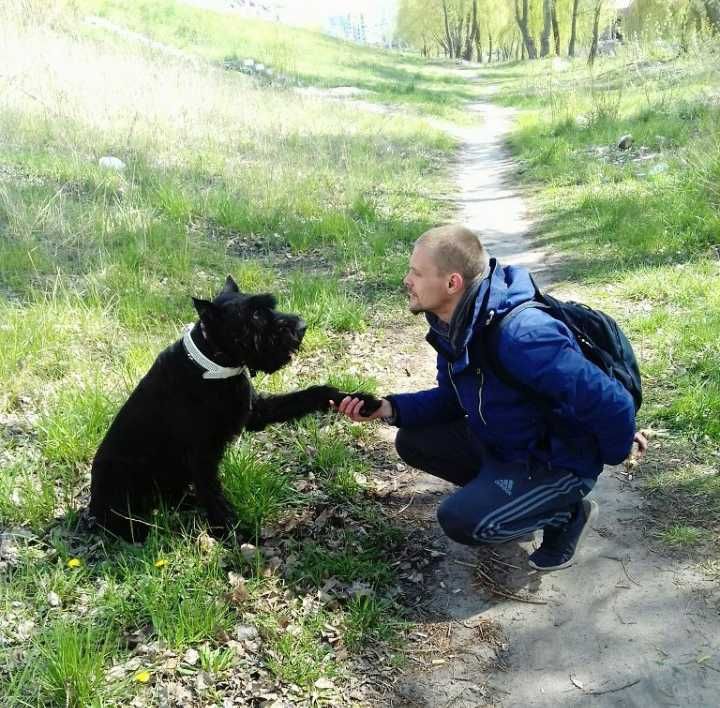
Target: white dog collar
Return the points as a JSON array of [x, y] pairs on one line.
[[212, 370]]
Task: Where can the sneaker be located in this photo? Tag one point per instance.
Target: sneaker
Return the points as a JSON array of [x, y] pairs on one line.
[[560, 545]]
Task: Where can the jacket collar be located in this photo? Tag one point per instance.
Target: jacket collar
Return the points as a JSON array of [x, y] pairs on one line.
[[454, 337]]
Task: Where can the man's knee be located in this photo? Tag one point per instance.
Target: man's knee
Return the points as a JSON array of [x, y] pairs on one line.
[[461, 525], [455, 523], [406, 444]]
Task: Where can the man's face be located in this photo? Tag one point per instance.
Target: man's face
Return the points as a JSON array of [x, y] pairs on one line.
[[427, 287]]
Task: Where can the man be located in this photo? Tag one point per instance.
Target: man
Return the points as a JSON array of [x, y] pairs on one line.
[[523, 462]]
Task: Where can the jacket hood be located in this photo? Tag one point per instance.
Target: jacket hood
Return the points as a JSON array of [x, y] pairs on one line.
[[504, 288]]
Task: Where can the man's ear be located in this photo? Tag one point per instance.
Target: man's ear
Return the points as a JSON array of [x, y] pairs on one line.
[[230, 285], [206, 310], [455, 282]]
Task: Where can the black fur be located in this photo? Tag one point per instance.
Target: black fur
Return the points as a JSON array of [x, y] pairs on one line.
[[173, 429]]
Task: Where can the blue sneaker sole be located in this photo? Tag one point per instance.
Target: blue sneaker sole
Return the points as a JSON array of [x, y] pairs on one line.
[[592, 515]]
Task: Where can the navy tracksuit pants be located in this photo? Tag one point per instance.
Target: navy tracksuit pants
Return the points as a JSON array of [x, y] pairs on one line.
[[498, 501]]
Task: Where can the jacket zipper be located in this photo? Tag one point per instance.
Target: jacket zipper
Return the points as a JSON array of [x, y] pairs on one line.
[[480, 392], [457, 394]]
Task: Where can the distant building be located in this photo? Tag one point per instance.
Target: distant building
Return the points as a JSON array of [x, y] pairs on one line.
[[376, 28], [374, 25]]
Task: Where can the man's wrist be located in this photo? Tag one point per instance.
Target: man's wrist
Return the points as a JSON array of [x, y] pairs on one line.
[[387, 412]]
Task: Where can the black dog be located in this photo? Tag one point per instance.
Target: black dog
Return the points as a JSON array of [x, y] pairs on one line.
[[195, 399]]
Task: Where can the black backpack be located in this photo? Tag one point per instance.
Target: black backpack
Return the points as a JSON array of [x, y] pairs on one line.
[[599, 337]]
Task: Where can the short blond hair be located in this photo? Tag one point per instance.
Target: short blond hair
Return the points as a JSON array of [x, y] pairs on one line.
[[456, 249]]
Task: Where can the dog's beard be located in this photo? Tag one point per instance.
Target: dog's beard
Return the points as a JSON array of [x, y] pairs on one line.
[[273, 354]]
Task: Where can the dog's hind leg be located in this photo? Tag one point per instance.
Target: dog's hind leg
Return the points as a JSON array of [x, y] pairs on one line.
[[118, 519], [211, 497], [115, 501]]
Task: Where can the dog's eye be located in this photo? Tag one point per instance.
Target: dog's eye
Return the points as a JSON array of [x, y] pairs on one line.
[[258, 317]]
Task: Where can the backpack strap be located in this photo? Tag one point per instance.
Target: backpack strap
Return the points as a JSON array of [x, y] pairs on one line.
[[490, 351]]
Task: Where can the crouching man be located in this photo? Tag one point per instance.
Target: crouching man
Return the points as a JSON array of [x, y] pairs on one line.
[[525, 457]]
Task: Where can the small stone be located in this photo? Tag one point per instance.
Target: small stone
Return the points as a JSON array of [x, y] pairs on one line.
[[116, 673], [244, 632], [626, 142], [111, 163], [248, 551], [25, 629], [53, 599], [202, 682], [191, 657]]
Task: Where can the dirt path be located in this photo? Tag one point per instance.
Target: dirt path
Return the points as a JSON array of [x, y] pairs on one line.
[[625, 626]]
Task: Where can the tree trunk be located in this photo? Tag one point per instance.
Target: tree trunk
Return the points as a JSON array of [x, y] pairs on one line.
[[478, 46], [448, 38], [523, 21], [547, 26], [457, 38], [556, 29], [471, 32], [467, 46], [596, 26], [490, 49], [573, 28]]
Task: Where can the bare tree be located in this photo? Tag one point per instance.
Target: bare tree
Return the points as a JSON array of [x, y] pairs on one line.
[[523, 22], [472, 31], [478, 45], [556, 29], [449, 48], [573, 28], [547, 26], [595, 31]]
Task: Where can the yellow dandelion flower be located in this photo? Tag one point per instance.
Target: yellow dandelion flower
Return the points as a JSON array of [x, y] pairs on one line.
[[160, 562], [142, 676], [74, 563]]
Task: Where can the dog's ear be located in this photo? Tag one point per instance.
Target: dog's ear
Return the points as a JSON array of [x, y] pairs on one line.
[[206, 310], [230, 286], [265, 300]]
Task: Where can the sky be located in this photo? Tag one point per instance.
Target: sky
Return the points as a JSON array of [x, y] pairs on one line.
[[315, 12]]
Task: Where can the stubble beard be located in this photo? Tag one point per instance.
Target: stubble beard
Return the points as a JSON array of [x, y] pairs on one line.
[[416, 309]]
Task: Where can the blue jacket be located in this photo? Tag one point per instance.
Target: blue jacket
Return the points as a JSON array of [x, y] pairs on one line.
[[581, 419]]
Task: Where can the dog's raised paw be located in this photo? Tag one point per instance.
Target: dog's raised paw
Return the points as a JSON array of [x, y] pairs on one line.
[[370, 403]]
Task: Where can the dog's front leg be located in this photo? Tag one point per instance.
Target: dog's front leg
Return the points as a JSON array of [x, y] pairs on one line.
[[290, 406]]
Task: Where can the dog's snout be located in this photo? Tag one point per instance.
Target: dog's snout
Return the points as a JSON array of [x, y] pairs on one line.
[[301, 327]]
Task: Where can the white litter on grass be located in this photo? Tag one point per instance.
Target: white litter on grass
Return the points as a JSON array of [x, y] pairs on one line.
[[111, 163]]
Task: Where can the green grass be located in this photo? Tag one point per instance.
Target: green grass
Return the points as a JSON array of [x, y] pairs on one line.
[[305, 56], [369, 620], [257, 490], [639, 229], [681, 536], [72, 665], [314, 200]]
